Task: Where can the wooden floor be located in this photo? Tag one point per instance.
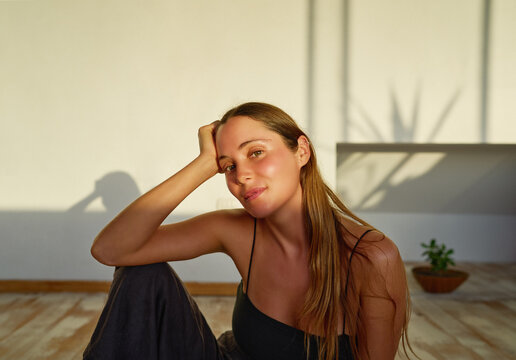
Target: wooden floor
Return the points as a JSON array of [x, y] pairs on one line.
[[478, 321]]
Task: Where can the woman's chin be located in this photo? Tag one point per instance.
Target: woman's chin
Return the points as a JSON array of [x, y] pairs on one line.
[[256, 213]]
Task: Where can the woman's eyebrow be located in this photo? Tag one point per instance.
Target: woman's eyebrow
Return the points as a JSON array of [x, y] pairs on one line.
[[244, 144], [250, 141]]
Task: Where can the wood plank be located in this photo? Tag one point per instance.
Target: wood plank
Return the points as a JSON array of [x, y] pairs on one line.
[[463, 335], [72, 346], [48, 309], [490, 329], [63, 338], [7, 300], [475, 322], [491, 280], [218, 310], [432, 335], [20, 310], [424, 336], [511, 304]]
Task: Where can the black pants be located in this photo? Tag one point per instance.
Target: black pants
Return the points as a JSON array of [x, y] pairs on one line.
[[149, 315]]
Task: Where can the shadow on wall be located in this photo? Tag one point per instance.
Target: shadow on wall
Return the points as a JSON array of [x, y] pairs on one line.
[[56, 244], [428, 178], [116, 189], [462, 194], [403, 130]]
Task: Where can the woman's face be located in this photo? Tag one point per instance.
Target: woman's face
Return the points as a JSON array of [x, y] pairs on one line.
[[261, 171]]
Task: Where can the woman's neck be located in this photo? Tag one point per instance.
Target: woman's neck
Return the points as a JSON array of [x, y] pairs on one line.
[[287, 226]]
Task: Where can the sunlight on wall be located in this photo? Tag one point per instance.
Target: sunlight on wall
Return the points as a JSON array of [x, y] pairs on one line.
[[416, 70], [371, 170], [428, 178], [416, 165], [92, 87]]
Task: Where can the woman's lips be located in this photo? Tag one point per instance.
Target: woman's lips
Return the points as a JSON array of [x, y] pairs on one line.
[[253, 193]]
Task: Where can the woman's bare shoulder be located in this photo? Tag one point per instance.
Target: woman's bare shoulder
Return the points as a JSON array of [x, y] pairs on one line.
[[380, 249], [353, 231], [235, 230], [234, 217], [225, 222], [375, 252], [384, 269], [232, 227]]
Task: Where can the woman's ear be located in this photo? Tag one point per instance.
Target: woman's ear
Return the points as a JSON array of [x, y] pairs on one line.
[[303, 150]]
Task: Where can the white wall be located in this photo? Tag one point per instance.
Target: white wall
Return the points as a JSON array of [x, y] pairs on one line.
[[93, 87], [417, 66], [88, 88], [473, 237]]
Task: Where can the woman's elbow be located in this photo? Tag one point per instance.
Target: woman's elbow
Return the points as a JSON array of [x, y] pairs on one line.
[[101, 254]]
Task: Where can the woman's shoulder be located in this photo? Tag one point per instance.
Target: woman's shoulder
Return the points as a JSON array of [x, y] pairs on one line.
[[357, 233], [235, 229], [229, 215], [372, 244], [228, 220], [379, 263]]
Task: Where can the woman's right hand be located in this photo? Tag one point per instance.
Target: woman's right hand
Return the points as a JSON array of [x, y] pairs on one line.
[[207, 147]]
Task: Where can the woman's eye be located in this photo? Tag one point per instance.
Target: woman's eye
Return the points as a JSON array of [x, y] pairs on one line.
[[256, 153], [229, 168]]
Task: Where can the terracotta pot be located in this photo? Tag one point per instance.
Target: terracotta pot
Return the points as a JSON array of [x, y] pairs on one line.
[[439, 283]]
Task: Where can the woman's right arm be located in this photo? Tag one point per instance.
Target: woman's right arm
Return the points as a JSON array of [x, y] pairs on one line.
[[135, 237]]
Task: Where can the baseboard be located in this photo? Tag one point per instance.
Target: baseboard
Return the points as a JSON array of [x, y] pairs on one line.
[[212, 289], [35, 286]]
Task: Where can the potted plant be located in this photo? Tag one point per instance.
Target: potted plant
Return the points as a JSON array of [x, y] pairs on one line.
[[437, 278]]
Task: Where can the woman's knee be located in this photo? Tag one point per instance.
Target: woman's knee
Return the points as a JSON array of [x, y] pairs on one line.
[[145, 270], [144, 276]]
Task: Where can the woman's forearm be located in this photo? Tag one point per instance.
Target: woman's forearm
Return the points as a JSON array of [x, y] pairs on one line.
[[130, 229]]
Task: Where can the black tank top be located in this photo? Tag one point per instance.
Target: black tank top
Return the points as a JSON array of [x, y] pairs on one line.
[[262, 337]]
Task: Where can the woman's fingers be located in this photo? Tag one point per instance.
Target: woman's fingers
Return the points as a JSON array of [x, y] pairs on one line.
[[206, 136]]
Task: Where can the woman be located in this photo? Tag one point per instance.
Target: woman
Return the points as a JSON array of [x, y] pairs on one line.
[[317, 281]]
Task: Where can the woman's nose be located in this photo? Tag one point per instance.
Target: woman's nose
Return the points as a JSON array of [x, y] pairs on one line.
[[243, 174]]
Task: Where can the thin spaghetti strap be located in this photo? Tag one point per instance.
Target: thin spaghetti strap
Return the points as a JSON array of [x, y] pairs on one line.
[[349, 263], [251, 259]]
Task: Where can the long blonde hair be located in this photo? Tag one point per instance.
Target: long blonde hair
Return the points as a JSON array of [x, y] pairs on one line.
[[325, 300]]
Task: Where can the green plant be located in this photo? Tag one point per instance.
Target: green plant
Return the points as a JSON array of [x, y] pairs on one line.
[[438, 256]]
